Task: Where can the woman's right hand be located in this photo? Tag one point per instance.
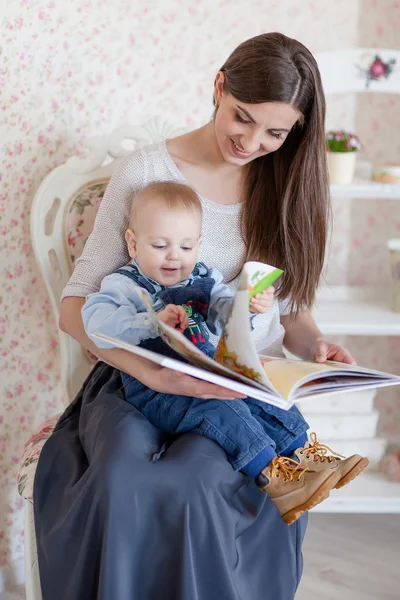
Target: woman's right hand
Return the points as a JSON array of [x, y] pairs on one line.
[[168, 381]]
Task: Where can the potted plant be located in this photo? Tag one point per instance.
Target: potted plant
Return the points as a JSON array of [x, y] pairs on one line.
[[342, 150]]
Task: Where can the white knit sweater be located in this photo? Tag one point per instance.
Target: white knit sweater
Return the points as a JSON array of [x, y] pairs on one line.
[[222, 247]]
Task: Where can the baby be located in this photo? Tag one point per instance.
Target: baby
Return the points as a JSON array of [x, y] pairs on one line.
[[262, 441]]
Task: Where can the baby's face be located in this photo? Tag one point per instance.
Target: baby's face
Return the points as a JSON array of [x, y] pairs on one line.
[[165, 242]]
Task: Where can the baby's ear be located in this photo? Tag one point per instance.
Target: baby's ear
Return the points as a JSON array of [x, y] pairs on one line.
[[130, 239], [200, 240]]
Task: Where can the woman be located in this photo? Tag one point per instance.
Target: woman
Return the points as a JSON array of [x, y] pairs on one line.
[[122, 511]]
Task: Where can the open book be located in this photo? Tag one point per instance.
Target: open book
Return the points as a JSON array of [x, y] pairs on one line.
[[236, 364]]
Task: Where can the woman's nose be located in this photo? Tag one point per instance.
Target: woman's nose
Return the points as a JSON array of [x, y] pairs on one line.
[[252, 142]]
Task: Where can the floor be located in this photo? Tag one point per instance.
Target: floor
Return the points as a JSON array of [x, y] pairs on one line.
[[12, 596], [351, 557], [346, 557]]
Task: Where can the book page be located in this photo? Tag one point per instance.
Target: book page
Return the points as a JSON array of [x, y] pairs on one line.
[[249, 388], [178, 342], [293, 379], [236, 348]]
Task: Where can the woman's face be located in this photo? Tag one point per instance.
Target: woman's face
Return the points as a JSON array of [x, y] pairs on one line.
[[247, 131]]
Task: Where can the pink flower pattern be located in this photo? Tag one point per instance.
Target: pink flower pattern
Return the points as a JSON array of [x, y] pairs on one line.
[[72, 70], [377, 69]]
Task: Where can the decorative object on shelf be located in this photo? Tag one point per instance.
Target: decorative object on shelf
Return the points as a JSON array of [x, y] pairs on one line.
[[373, 68], [386, 174], [394, 248], [390, 466], [342, 150]]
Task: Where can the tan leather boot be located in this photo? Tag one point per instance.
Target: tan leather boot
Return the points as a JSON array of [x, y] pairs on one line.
[[293, 488], [315, 457]]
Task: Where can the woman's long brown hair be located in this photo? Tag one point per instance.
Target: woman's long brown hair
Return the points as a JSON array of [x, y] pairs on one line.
[[287, 205]]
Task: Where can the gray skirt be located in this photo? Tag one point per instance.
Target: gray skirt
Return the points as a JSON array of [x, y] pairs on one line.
[[125, 512]]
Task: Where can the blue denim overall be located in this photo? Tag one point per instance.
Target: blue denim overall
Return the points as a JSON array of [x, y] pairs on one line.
[[243, 428]]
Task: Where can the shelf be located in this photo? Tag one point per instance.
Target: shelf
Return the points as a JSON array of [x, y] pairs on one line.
[[368, 493], [352, 311], [360, 188]]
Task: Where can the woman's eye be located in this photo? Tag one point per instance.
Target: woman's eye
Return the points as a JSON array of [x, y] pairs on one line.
[[240, 119], [278, 136]]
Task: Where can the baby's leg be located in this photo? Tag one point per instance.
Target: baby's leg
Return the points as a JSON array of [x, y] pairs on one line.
[[293, 485], [246, 441], [229, 423], [287, 428]]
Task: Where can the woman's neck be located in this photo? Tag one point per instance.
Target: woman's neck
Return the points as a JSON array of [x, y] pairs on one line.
[[199, 159], [204, 150]]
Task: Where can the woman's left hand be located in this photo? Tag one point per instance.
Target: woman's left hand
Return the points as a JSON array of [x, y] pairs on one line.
[[324, 350]]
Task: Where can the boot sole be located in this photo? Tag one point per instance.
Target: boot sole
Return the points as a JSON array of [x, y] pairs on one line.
[[319, 496], [352, 474]]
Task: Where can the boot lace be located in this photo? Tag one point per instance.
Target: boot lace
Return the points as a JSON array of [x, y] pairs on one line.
[[320, 451], [288, 468]]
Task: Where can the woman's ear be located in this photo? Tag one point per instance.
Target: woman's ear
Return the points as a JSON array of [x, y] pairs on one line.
[[130, 239], [219, 87]]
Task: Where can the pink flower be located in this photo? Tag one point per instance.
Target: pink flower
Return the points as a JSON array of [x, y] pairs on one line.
[[378, 69], [40, 139]]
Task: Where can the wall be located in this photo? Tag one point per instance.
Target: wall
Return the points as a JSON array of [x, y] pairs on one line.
[[71, 70]]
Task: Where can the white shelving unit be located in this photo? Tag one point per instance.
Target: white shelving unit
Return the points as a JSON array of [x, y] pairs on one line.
[[350, 423], [346, 310], [363, 188], [342, 310]]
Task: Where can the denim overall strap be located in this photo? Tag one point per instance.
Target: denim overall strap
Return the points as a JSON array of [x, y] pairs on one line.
[[132, 272]]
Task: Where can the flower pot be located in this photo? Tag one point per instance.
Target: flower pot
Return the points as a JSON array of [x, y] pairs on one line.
[[341, 166]]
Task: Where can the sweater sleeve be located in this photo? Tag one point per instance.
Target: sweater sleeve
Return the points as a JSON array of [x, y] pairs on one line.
[[105, 250]]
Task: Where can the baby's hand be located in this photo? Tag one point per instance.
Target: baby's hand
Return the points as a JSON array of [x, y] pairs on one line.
[[174, 316], [262, 302]]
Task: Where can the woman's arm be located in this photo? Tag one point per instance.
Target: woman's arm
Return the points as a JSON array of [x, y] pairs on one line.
[[305, 340], [150, 374]]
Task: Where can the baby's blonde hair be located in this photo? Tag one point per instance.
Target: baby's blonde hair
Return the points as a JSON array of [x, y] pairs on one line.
[[174, 195]]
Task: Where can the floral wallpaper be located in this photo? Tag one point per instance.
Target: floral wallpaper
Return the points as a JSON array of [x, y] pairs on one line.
[[76, 69]]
